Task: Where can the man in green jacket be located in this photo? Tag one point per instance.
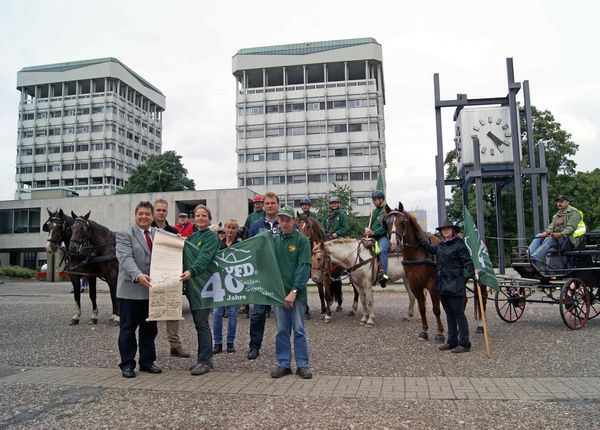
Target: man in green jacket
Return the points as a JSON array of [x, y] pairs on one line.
[[293, 253], [567, 224], [335, 222], [376, 229], [259, 212]]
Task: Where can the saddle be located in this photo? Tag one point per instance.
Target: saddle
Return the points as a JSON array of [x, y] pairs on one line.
[[371, 244]]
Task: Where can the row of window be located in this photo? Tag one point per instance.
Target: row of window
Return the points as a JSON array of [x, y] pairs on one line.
[[71, 166], [304, 178], [79, 128], [71, 182], [304, 105], [84, 147], [20, 221], [310, 153], [302, 129]]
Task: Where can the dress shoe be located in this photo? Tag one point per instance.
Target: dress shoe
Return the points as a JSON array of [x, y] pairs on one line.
[[178, 351], [200, 369], [217, 348], [460, 349], [281, 371], [304, 372], [230, 348], [151, 369], [446, 347], [252, 354], [128, 372]]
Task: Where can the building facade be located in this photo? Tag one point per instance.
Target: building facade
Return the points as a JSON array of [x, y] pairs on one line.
[[84, 125], [23, 243], [310, 115]]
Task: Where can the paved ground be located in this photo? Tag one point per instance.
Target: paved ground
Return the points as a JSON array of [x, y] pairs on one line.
[[57, 376]]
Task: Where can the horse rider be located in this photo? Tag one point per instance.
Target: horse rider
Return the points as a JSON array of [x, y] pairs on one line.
[[258, 213], [335, 225], [564, 232], [376, 228], [305, 205]]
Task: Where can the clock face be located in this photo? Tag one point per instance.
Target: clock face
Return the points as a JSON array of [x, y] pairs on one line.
[[494, 136], [492, 127]]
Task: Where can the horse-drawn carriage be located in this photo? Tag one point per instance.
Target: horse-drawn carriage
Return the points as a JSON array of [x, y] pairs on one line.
[[570, 279]]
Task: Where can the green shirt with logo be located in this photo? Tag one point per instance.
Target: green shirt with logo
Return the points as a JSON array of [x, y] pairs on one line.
[[336, 222], [378, 222], [208, 242], [294, 259]]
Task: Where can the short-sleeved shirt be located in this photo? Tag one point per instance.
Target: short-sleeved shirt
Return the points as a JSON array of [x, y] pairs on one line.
[[291, 251]]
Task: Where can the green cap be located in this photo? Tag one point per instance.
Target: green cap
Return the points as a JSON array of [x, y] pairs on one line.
[[286, 211]]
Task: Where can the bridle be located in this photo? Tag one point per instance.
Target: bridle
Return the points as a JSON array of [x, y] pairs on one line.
[[51, 226], [405, 224], [85, 245]]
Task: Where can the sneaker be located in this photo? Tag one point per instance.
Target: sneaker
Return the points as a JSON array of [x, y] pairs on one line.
[[200, 369], [383, 281], [304, 372], [230, 348], [253, 354], [460, 348], [281, 371], [446, 347], [217, 348]]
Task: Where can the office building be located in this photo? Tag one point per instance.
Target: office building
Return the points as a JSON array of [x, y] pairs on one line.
[[310, 115], [83, 126]]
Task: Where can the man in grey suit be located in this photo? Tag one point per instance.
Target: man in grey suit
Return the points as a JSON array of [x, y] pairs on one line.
[[134, 249]]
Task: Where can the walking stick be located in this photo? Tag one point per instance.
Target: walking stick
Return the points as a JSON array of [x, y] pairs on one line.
[[488, 353]]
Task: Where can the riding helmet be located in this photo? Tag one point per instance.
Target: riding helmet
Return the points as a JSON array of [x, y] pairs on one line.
[[305, 201], [377, 195], [334, 199]]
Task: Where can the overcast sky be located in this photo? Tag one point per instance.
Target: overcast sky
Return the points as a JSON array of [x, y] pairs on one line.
[[185, 49]]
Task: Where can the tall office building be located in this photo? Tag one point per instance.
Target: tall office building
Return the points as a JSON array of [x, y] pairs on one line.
[[84, 125], [310, 115]]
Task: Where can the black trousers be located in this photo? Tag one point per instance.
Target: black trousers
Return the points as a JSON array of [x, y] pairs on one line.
[[133, 314], [456, 319]]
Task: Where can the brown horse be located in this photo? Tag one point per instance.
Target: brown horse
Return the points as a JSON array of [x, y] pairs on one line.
[[322, 270], [418, 265]]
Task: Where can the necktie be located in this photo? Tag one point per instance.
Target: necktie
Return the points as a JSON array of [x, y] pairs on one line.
[[148, 240]]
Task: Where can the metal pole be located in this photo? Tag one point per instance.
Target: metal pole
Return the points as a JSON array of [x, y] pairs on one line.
[[500, 228], [439, 159], [478, 187], [544, 184], [531, 145], [513, 88]]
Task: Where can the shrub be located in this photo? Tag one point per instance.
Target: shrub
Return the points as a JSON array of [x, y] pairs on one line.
[[17, 272]]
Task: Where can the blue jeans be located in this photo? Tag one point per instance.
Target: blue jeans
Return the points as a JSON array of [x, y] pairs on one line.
[[232, 312], [539, 247], [454, 306], [289, 320], [257, 325], [204, 337], [384, 246]]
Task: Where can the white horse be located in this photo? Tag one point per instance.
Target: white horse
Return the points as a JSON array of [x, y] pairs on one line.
[[353, 256]]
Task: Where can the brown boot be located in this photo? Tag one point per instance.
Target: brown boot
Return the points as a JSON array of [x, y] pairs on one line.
[[178, 351]]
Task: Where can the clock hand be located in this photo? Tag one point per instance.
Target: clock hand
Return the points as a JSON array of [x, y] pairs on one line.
[[495, 138]]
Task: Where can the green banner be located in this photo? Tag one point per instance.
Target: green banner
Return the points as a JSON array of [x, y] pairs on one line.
[[479, 253], [246, 272]]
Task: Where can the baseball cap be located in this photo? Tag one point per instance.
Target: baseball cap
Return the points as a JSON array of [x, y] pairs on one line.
[[286, 211]]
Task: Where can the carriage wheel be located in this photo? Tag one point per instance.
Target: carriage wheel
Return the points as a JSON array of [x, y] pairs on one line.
[[574, 303], [510, 303], [594, 302]]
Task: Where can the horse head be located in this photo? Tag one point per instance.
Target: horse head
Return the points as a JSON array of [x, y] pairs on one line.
[[398, 225], [80, 232], [320, 263], [58, 230]]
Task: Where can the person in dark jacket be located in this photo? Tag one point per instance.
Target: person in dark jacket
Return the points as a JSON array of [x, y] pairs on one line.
[[453, 260]]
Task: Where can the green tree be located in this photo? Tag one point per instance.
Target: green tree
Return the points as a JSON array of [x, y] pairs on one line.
[[162, 172], [344, 193]]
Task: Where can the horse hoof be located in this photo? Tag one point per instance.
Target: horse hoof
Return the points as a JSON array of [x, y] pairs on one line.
[[423, 336], [479, 330], [92, 321], [339, 308], [327, 319], [405, 319], [362, 323], [114, 323], [350, 313], [74, 322], [439, 338], [323, 316], [370, 324]]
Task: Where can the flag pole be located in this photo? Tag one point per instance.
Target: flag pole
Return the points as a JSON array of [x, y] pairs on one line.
[[483, 316]]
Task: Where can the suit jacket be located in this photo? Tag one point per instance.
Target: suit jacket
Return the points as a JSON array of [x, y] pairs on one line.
[[134, 258]]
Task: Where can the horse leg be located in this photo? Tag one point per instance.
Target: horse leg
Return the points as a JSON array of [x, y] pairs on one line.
[[92, 293], [370, 306], [328, 300], [411, 301], [352, 312], [77, 297], [112, 286], [336, 292], [363, 301], [321, 298], [419, 294], [435, 304]]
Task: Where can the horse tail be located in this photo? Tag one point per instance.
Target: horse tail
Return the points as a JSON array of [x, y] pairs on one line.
[[336, 291]]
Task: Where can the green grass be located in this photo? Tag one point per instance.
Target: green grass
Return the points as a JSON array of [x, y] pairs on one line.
[[17, 272]]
